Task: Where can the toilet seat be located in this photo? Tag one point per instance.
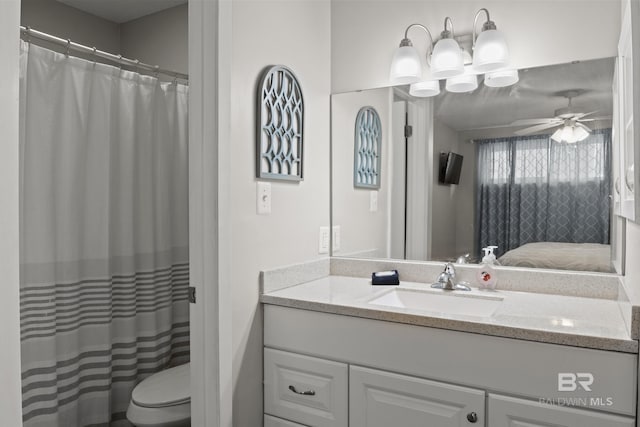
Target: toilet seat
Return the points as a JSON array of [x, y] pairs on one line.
[[162, 400], [165, 388]]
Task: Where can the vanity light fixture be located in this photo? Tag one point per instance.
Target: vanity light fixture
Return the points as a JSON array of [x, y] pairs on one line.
[[425, 89], [446, 60], [467, 82], [490, 51], [501, 78]]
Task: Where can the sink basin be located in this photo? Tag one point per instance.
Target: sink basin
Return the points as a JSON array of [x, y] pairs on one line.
[[440, 302]]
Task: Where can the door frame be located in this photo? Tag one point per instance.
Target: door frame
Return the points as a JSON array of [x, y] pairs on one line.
[[209, 193]]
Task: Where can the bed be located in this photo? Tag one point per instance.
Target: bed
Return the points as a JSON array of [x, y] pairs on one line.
[[560, 256]]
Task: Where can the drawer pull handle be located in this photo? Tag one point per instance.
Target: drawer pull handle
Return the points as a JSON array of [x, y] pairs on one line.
[[472, 417], [304, 393]]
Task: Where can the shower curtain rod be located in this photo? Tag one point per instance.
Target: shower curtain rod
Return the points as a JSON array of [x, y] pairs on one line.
[[119, 59]]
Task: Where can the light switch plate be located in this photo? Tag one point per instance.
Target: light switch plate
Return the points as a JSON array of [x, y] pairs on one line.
[[323, 240], [263, 198], [373, 201], [335, 238]]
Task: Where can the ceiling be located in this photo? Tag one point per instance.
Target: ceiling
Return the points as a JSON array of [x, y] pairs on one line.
[[536, 95], [120, 11]]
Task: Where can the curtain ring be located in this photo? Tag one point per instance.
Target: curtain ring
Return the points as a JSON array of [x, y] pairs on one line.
[[95, 57], [136, 67], [120, 61], [156, 71], [28, 37], [68, 47]]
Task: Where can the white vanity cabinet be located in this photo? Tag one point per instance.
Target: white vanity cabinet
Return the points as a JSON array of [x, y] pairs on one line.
[[358, 372], [507, 411], [384, 399]]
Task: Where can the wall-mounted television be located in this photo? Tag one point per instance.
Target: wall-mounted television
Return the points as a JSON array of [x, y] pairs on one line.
[[450, 168]]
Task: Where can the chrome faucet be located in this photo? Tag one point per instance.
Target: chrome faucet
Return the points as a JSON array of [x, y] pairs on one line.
[[446, 280]]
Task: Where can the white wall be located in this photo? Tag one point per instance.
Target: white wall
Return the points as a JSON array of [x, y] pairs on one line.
[[465, 205], [443, 197], [295, 33], [11, 397], [158, 39], [363, 233], [365, 33], [67, 22]]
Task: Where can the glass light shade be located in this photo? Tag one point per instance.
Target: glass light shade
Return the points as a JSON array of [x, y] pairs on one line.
[[557, 135], [446, 59], [464, 83], [425, 89], [490, 52], [406, 66], [501, 78], [568, 135], [580, 133]]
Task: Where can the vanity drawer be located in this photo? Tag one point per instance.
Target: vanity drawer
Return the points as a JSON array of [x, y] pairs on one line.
[[305, 389], [270, 421]]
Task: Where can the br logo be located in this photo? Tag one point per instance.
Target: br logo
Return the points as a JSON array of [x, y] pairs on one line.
[[568, 381]]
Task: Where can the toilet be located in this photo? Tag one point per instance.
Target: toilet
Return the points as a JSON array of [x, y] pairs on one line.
[[162, 400]]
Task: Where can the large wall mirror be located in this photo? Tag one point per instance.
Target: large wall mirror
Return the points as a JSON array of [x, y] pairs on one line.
[[461, 171]]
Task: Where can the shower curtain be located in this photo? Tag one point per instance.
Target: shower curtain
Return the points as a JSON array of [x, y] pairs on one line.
[[104, 236]]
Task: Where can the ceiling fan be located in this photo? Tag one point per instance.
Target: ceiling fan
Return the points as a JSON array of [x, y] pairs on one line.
[[572, 122]]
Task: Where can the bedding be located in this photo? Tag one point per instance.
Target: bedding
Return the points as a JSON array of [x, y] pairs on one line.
[[560, 256]]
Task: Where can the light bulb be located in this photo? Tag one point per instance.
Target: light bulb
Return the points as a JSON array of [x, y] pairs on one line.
[[557, 135], [406, 66]]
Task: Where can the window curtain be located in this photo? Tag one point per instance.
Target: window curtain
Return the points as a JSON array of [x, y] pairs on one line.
[[534, 189], [104, 236]]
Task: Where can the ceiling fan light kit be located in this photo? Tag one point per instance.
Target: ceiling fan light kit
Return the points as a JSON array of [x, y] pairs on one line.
[[569, 121], [447, 60]]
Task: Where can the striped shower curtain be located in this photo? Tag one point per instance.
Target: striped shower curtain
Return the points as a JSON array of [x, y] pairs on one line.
[[104, 236]]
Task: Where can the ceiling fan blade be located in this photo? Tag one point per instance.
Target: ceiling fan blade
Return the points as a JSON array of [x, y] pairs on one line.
[[581, 115], [583, 126], [534, 129], [593, 119], [526, 122]]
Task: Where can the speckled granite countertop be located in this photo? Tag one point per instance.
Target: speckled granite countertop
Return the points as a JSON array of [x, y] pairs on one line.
[[556, 319]]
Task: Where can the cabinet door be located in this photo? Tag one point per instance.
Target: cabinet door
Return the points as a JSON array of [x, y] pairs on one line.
[[511, 412], [304, 389], [383, 399]]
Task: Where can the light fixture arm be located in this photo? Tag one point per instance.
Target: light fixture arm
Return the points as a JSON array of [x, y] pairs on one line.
[[446, 34], [488, 24], [407, 42]]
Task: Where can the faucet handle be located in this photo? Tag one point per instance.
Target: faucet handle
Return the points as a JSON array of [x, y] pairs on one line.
[[450, 269]]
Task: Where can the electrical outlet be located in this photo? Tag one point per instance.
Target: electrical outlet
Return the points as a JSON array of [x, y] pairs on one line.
[[373, 201], [335, 238], [263, 198], [323, 240]]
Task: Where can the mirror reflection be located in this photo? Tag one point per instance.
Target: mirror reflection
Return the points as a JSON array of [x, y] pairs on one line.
[[526, 168]]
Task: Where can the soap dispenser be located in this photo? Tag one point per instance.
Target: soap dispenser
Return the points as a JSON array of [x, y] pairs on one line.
[[486, 275]]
